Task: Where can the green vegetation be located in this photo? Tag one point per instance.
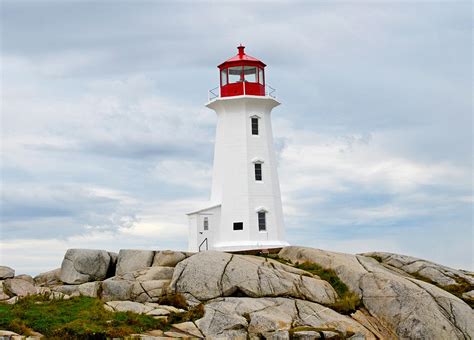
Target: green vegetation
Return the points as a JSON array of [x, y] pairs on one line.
[[462, 286], [192, 314], [177, 300], [377, 258], [348, 301], [340, 335], [81, 318]]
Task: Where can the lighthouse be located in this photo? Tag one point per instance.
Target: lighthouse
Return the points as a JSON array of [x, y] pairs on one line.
[[245, 210]]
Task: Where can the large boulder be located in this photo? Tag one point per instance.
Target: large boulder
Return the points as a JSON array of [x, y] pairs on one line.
[[25, 277], [18, 287], [130, 260], [436, 273], [48, 278], [90, 289], [411, 308], [212, 274], [128, 306], [3, 295], [84, 265], [6, 272], [234, 317], [153, 273], [116, 288], [144, 285], [149, 291], [168, 258]]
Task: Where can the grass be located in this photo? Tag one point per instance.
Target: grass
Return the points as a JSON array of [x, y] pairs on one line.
[[81, 318], [320, 330], [176, 300], [377, 258], [192, 314], [348, 301], [462, 286]]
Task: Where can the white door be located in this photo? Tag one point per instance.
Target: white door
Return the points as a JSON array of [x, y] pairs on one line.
[[203, 232]]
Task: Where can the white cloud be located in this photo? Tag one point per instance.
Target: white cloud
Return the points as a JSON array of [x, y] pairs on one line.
[[106, 144]]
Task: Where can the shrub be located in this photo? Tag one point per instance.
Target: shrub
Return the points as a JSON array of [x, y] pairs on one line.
[[347, 301], [328, 275], [177, 300], [192, 314]]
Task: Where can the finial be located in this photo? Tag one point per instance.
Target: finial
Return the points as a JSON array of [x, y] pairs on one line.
[[241, 50]]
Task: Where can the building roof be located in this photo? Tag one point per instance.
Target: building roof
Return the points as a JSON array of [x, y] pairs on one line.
[[241, 57], [204, 209]]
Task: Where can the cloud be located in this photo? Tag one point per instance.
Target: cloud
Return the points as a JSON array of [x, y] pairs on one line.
[[106, 143]]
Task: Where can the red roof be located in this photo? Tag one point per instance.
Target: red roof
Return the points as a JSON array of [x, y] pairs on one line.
[[241, 58]]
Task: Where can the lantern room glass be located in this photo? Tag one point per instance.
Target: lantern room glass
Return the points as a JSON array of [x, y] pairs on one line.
[[235, 74], [224, 77], [250, 74]]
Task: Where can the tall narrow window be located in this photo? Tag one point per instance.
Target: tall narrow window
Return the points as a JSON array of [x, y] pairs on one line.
[[250, 74], [258, 171], [224, 77], [254, 126], [262, 223], [205, 223], [260, 76]]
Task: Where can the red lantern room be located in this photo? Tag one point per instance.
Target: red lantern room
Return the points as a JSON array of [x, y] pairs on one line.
[[242, 75]]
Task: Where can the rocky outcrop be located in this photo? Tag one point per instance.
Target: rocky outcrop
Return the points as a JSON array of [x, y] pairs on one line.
[[144, 285], [116, 288], [49, 278], [25, 277], [90, 289], [394, 299], [247, 296], [168, 258], [211, 274], [232, 318], [130, 260], [6, 272], [436, 273], [153, 309], [19, 287], [84, 265]]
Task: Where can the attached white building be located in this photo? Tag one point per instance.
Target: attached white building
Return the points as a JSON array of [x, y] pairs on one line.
[[245, 209]]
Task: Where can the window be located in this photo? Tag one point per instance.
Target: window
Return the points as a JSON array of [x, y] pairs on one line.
[[260, 76], [250, 74], [224, 77], [254, 126], [258, 171], [238, 225], [205, 223], [262, 223], [235, 74]]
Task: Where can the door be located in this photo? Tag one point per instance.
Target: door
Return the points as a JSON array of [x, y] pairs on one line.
[[203, 232]]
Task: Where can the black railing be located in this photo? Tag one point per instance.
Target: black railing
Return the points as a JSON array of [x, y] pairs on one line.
[[207, 244]]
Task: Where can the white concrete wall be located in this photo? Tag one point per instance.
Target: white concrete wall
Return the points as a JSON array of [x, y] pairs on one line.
[[196, 228], [233, 183]]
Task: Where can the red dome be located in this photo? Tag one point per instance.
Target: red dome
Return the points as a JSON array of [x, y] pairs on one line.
[[241, 57], [242, 75]]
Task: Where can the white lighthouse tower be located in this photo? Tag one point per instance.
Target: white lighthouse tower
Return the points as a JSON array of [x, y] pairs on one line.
[[245, 209]]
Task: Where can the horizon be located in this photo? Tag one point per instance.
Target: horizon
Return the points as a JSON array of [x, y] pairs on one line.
[[106, 143]]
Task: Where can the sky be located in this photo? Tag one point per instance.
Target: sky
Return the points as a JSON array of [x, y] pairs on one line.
[[106, 142]]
